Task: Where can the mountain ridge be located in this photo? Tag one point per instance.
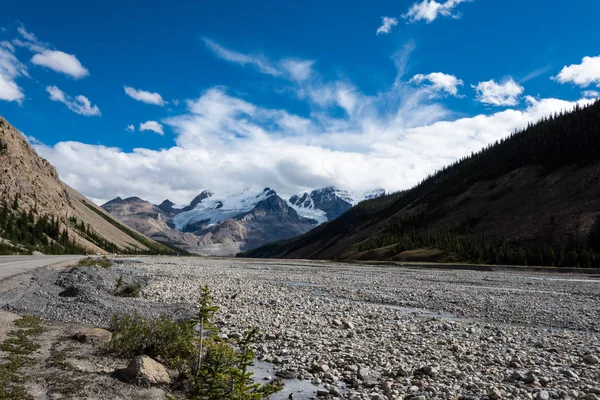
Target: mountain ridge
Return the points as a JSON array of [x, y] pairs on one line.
[[218, 224], [530, 198]]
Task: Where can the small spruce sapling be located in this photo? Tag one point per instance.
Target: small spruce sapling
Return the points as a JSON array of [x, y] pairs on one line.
[[204, 320]]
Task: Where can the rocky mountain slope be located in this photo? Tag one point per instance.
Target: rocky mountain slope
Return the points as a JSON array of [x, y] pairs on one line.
[[529, 199], [151, 220], [41, 211]]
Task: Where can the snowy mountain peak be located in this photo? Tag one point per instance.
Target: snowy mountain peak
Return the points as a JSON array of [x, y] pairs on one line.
[[328, 203], [213, 208]]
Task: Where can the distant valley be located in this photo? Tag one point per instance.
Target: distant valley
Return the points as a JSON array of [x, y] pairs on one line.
[[225, 224]]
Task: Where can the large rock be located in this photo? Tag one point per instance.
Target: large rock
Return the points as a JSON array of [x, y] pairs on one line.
[[94, 336], [144, 371]]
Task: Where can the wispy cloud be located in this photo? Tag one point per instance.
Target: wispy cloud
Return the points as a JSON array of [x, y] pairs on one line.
[[257, 61], [144, 96], [130, 128], [534, 74], [430, 10], [506, 93], [79, 105], [386, 25], [290, 68]]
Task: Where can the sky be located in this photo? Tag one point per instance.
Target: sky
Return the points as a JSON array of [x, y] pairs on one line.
[[164, 99]]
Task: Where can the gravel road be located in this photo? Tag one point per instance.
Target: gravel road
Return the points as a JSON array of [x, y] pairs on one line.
[[365, 332]]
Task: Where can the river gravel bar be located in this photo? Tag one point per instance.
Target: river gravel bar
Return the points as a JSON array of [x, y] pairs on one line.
[[364, 332]]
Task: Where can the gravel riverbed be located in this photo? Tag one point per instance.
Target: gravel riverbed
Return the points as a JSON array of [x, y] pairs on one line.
[[364, 332]]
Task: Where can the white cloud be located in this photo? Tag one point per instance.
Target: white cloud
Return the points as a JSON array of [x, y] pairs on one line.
[[10, 69], [144, 96], [591, 94], [506, 93], [223, 142], [386, 25], [130, 128], [583, 75], [48, 57], [152, 126], [429, 10], [238, 144], [79, 105], [439, 81], [61, 62]]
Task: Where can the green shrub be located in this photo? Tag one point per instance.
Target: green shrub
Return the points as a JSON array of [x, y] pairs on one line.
[[130, 290], [209, 368], [160, 338], [103, 262]]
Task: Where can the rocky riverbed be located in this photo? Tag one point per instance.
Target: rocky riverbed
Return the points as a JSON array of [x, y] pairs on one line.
[[364, 332]]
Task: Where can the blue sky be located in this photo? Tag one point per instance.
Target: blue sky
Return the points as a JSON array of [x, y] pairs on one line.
[[291, 95]]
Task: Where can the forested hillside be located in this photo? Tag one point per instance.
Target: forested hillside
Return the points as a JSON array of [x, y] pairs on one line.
[[531, 198], [39, 212]]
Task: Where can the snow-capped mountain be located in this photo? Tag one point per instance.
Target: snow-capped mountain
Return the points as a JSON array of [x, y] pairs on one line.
[[225, 224], [328, 203], [216, 208]]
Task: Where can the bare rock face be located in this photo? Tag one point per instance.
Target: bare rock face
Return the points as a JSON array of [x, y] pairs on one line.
[[94, 336], [144, 371]]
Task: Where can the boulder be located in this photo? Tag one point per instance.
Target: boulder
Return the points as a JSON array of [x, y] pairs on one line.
[[94, 336], [591, 359], [144, 371]]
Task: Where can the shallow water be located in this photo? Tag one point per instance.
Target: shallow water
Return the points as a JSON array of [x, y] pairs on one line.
[[302, 389]]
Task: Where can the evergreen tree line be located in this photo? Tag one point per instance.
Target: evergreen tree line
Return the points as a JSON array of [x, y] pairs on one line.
[[457, 243], [44, 233], [87, 232], [35, 232]]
